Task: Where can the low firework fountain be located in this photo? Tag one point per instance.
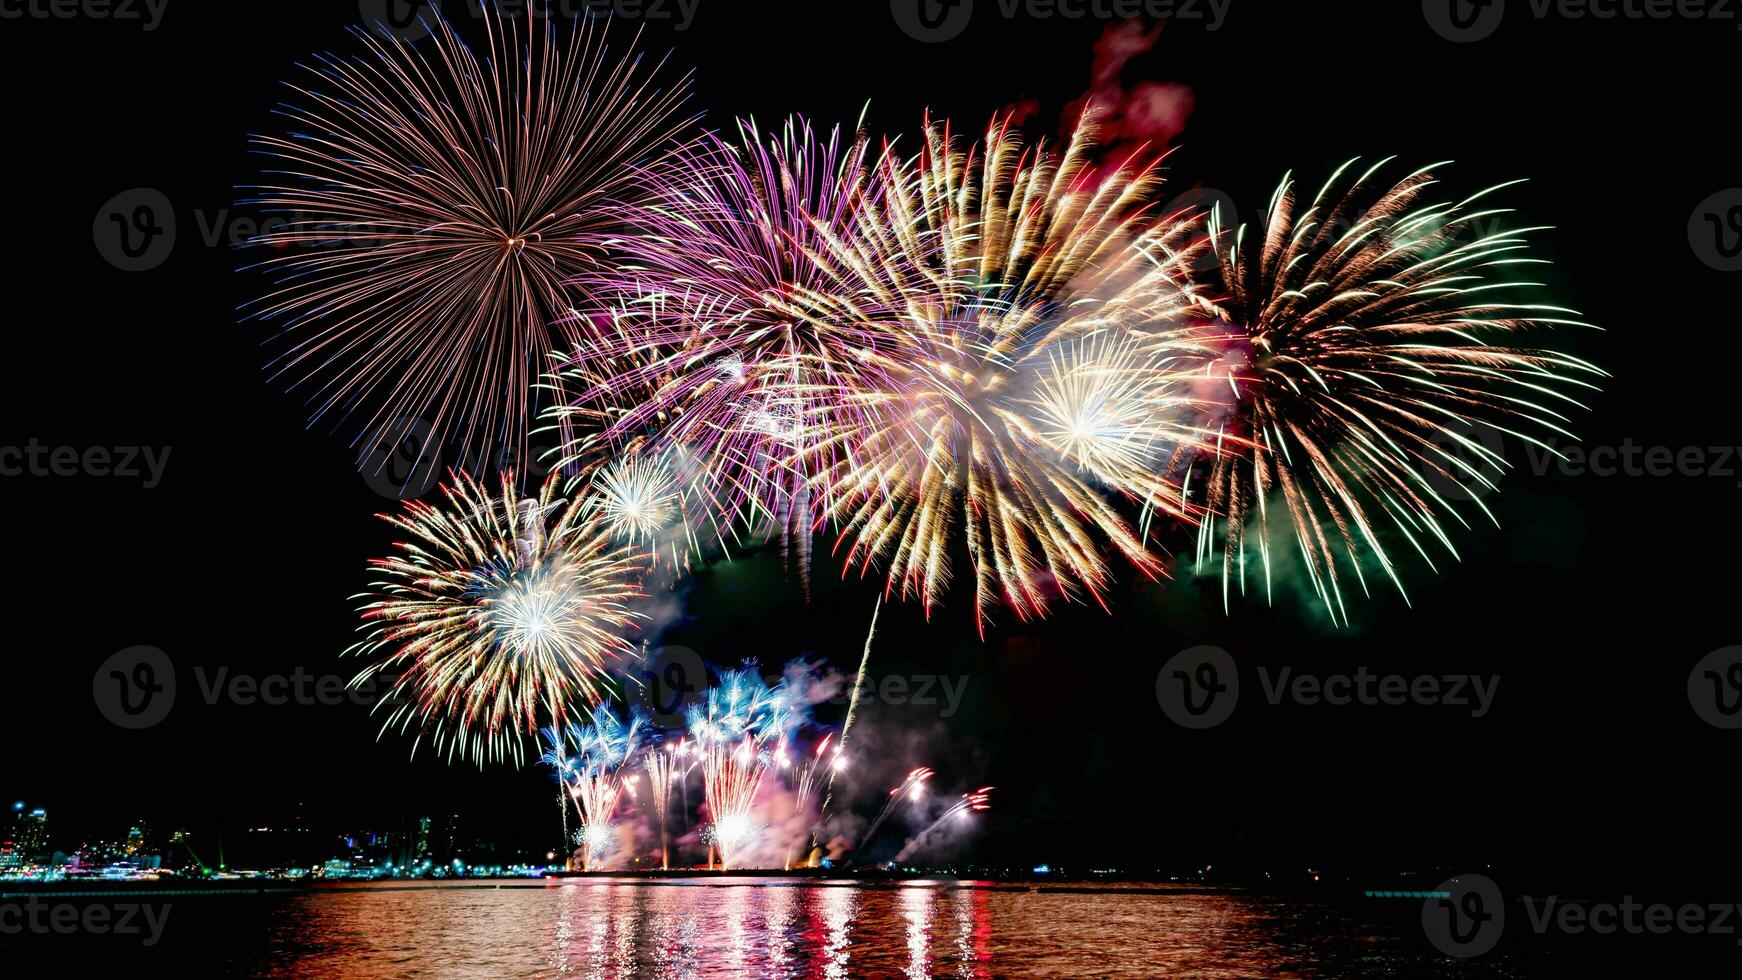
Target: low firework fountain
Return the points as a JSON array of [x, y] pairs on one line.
[[601, 750], [662, 764], [729, 729]]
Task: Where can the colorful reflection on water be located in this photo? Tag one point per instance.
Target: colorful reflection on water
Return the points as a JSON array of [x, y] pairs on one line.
[[617, 928]]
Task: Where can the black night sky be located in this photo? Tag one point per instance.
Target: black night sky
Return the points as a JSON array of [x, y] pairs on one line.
[[1592, 604]]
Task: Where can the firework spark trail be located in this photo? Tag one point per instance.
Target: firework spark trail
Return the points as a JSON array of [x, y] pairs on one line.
[[911, 789], [433, 203], [840, 760], [494, 617], [807, 779], [1035, 382], [1369, 346], [660, 763], [977, 801], [805, 788]]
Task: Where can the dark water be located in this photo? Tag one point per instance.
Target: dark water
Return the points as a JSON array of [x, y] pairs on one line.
[[755, 928], [775, 928]]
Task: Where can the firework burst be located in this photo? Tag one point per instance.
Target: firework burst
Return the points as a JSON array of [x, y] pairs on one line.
[[1371, 349], [496, 613], [433, 203], [1036, 378], [725, 333]]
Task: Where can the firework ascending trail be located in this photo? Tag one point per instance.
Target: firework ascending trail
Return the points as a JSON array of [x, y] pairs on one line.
[[434, 202], [911, 789], [807, 776], [840, 760], [1032, 385], [496, 616], [1370, 344], [970, 803], [556, 756]]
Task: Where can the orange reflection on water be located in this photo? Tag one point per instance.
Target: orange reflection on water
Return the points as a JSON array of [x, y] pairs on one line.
[[729, 928]]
